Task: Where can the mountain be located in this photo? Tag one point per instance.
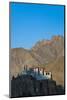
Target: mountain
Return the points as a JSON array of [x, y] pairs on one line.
[[46, 53], [48, 50], [20, 57]]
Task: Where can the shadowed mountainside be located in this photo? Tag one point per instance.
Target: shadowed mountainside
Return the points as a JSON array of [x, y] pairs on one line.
[[26, 86]]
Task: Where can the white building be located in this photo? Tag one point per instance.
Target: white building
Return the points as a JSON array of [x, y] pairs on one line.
[[48, 75], [39, 70]]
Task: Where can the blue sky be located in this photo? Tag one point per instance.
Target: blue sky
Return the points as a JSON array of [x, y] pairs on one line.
[[30, 23]]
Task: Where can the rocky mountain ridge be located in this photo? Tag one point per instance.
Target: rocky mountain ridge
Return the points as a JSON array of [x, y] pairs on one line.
[[47, 53]]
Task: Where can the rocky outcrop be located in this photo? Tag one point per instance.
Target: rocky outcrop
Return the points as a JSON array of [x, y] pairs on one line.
[[27, 86]]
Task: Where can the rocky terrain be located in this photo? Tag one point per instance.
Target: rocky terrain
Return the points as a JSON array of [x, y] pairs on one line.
[[27, 86], [46, 53]]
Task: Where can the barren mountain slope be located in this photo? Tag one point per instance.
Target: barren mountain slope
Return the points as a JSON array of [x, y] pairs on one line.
[[57, 69], [46, 53], [19, 58]]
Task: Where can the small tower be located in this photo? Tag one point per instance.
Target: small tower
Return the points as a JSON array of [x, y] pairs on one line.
[[41, 71], [49, 75]]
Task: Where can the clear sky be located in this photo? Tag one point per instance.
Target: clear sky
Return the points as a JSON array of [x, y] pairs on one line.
[[30, 23]]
